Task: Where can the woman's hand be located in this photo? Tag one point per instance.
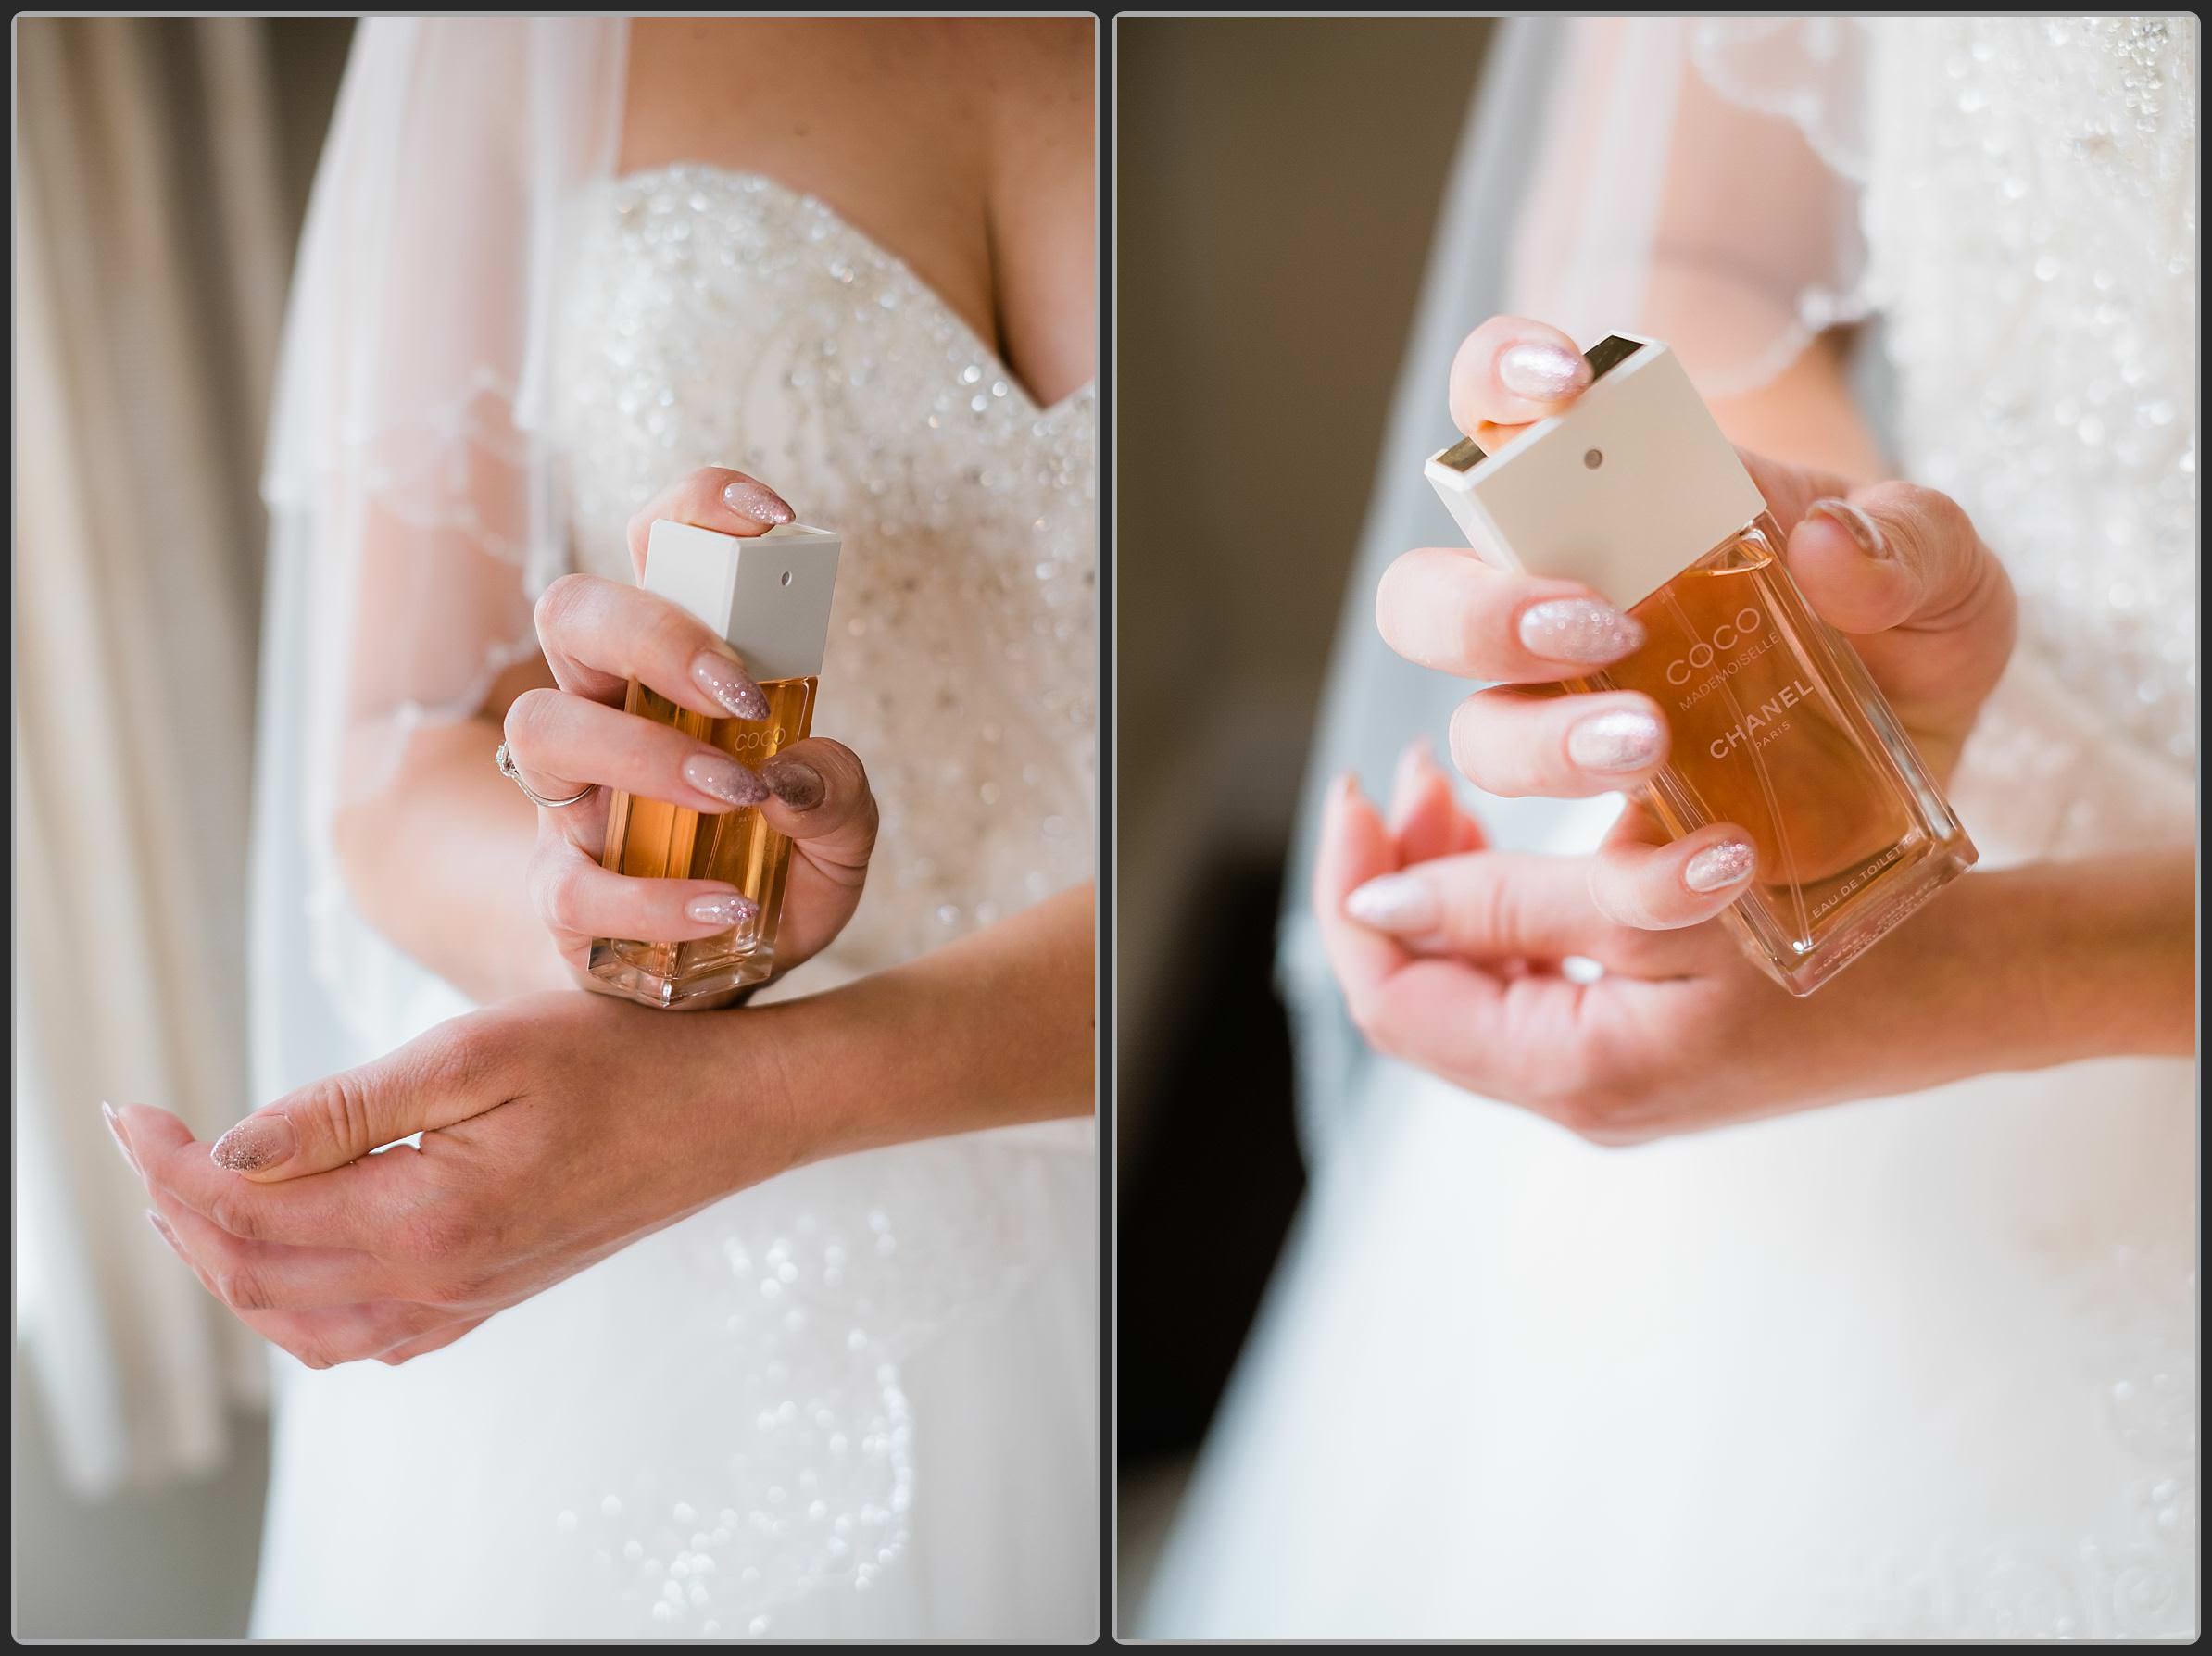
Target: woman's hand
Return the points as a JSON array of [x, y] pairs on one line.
[[1896, 568], [556, 1129], [2026, 967], [597, 636]]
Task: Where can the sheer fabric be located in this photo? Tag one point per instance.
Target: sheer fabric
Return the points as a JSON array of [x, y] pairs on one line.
[[408, 482], [1624, 220]]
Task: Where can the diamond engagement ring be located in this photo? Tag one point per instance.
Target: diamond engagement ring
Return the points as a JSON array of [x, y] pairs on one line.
[[508, 769]]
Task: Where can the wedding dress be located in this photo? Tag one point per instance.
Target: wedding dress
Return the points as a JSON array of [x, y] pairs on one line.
[[1921, 1366], [857, 1401]]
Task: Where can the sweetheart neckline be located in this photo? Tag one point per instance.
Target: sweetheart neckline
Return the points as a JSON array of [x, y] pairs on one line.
[[944, 307]]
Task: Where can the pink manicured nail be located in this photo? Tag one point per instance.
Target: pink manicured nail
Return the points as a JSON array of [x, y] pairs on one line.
[[723, 908], [1394, 903], [796, 782], [1855, 523], [729, 684], [161, 1229], [257, 1142], [115, 1131], [1585, 630], [756, 501], [1542, 372], [1718, 867], [1619, 740], [722, 776]]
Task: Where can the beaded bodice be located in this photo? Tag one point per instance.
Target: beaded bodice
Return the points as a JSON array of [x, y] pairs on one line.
[[2031, 216], [717, 318]]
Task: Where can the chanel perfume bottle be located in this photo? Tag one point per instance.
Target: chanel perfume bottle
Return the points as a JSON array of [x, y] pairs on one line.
[[1777, 726], [770, 596]]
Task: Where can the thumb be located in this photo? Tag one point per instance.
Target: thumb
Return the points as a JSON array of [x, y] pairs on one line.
[[819, 795], [439, 1078], [1900, 568]]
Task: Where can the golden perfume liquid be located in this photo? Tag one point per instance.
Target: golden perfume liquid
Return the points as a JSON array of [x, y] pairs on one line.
[[652, 839], [1776, 724], [769, 598], [1778, 728]]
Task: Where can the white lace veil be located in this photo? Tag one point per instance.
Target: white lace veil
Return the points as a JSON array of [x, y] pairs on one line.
[[1696, 179], [413, 517]]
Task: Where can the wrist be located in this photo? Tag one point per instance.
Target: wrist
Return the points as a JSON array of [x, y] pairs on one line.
[[2094, 959], [787, 1084]]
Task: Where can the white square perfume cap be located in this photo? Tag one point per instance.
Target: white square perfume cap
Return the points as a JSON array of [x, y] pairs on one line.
[[1628, 487], [769, 595]]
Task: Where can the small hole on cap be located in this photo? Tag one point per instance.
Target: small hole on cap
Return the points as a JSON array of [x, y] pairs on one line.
[[1594, 459], [786, 579]]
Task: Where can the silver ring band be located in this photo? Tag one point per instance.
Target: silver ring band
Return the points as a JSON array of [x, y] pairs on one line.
[[508, 769]]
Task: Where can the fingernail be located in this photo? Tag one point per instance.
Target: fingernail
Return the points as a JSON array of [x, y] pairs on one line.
[[723, 777], [756, 501], [115, 1131], [1856, 524], [161, 1229], [1620, 740], [1586, 630], [1542, 372], [724, 908], [257, 1142], [796, 782], [1394, 903], [726, 682], [1718, 867]]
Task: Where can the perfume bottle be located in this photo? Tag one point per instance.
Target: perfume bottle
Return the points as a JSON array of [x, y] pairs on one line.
[[1777, 725], [769, 595]]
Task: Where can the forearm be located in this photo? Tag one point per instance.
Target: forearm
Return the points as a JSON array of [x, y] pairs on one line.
[[996, 1029], [2024, 968], [435, 859], [2109, 954], [1806, 416]]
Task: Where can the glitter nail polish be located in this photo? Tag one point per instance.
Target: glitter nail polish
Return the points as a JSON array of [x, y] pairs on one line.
[[1777, 725], [770, 596]]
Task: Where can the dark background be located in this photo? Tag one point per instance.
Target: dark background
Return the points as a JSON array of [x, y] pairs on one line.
[[1277, 180]]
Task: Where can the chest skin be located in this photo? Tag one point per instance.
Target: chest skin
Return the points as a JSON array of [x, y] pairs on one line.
[[961, 146]]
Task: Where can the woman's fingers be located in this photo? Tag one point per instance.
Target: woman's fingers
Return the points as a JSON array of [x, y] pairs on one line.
[[599, 634], [408, 1350], [1902, 569], [1641, 879], [1426, 818], [342, 1209], [1512, 371], [446, 1075], [1514, 744], [1488, 906], [577, 897], [712, 498], [818, 795], [1444, 607], [258, 1276], [326, 1337], [1355, 847], [563, 743]]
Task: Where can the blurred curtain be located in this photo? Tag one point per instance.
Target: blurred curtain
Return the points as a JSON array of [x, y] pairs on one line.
[[152, 242]]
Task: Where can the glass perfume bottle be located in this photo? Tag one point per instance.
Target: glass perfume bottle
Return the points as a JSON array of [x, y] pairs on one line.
[[769, 595], [1777, 725]]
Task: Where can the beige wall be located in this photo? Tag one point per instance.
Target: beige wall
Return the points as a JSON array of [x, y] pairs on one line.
[[1277, 183]]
